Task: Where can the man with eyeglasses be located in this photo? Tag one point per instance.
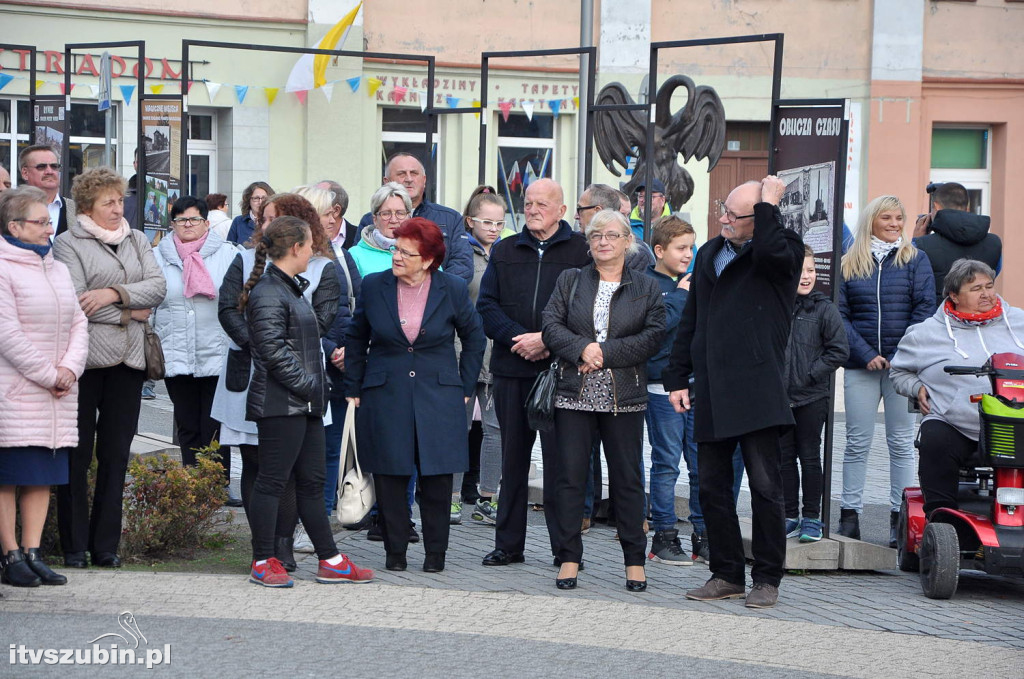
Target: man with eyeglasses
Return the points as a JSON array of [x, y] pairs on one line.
[[659, 206], [40, 167], [599, 197], [407, 170], [732, 338], [5, 179], [514, 290]]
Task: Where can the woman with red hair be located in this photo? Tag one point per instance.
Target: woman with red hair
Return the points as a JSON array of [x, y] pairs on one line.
[[401, 366]]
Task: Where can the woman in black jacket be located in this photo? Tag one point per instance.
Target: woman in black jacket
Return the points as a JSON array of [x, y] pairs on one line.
[[287, 398], [601, 325]]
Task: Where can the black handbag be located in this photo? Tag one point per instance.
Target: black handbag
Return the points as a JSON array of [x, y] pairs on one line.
[[540, 402]]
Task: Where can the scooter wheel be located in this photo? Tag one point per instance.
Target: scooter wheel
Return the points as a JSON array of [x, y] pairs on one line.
[[940, 561]]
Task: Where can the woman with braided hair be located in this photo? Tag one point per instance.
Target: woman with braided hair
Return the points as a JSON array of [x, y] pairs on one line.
[[287, 400]]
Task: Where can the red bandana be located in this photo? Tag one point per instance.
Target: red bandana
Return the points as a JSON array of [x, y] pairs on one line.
[[994, 312]]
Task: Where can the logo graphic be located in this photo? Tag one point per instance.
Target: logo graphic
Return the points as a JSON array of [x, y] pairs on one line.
[[127, 622], [127, 652]]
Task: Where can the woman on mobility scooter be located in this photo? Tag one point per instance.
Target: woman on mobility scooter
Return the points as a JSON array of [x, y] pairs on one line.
[[939, 362]]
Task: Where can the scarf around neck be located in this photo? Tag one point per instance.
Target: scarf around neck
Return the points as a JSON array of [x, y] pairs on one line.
[[983, 318], [880, 249], [195, 275], [105, 236], [41, 250], [382, 241]]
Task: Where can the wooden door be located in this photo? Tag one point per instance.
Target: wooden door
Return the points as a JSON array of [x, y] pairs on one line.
[[748, 160]]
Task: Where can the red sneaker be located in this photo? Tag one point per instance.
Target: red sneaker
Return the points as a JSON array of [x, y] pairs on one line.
[[270, 574], [346, 571]]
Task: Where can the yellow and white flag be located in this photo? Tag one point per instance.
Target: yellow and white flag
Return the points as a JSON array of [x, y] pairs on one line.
[[310, 70]]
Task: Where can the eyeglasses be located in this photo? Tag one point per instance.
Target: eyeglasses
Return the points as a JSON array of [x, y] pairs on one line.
[[488, 223], [610, 236], [584, 208], [37, 222], [192, 221], [395, 250], [729, 214], [258, 199], [390, 216], [42, 166]]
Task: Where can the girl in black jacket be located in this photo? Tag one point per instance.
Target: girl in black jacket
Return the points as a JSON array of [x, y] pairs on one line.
[[287, 398], [817, 348]]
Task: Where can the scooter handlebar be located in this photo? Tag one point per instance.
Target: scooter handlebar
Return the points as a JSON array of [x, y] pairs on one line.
[[968, 370]]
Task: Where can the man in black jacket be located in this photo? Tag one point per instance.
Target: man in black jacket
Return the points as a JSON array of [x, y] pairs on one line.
[[514, 290], [732, 338], [40, 167], [954, 233]]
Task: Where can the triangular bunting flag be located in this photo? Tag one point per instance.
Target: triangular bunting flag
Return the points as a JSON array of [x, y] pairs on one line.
[[576, 102], [4, 79], [554, 105], [301, 96], [156, 89], [127, 91], [240, 92], [39, 84], [271, 93], [374, 85], [476, 103], [398, 94], [63, 88], [505, 107], [453, 102], [93, 89], [328, 90], [212, 89], [354, 83], [422, 96], [528, 109]]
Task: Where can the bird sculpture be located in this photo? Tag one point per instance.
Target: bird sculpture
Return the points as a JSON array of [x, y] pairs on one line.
[[697, 130]]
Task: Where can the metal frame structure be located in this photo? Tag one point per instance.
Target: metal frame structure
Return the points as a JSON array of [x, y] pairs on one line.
[[837, 249], [140, 88], [587, 111], [187, 44], [31, 49]]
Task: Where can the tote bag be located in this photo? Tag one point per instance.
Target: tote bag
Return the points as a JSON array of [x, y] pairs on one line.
[[355, 493]]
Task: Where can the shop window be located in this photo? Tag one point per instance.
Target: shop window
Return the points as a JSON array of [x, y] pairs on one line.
[[526, 150], [962, 154], [403, 131]]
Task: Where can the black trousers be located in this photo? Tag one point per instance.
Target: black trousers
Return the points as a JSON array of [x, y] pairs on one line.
[[943, 451], [290, 445], [622, 436], [193, 398], [108, 416], [516, 450], [803, 442], [287, 514], [435, 495], [761, 457]]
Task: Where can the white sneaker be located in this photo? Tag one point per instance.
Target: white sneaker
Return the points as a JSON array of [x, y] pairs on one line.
[[455, 518], [302, 542]]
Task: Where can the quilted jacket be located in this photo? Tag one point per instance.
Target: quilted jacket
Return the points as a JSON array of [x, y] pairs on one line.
[[636, 326], [878, 310], [114, 337], [193, 341], [41, 328]]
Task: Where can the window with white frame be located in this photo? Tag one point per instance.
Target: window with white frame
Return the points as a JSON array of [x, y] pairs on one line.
[[526, 152], [403, 130], [962, 154], [202, 154]]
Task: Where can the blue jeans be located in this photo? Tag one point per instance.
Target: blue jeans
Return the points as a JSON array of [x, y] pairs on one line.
[[332, 453]]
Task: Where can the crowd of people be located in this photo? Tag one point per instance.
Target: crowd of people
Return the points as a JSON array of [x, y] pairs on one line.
[[434, 325]]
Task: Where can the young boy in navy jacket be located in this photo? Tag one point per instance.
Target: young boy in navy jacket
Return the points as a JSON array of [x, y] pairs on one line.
[[817, 347]]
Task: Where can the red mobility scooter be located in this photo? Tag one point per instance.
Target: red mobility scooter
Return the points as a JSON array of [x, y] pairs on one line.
[[987, 532]]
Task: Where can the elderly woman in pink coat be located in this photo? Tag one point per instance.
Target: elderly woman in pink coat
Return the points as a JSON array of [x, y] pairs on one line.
[[44, 342]]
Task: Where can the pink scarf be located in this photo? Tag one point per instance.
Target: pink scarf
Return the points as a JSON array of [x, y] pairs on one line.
[[196, 277]]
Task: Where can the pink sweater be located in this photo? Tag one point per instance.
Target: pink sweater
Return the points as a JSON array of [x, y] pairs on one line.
[[41, 328], [411, 303]]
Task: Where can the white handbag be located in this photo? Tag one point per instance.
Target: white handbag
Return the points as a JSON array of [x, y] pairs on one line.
[[355, 493]]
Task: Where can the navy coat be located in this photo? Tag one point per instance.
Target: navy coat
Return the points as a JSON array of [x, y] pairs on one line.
[[413, 394]]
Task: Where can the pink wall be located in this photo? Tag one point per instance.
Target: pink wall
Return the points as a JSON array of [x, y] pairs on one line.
[[251, 10]]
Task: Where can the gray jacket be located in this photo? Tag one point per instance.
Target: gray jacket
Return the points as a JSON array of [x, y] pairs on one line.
[[132, 271], [194, 342], [939, 341]]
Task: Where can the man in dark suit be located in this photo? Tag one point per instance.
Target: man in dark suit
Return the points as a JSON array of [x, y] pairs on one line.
[[40, 167], [347, 233], [732, 338]]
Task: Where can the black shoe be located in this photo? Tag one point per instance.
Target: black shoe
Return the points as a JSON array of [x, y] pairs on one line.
[[396, 562], [17, 572], [849, 524], [666, 548], [75, 560], [500, 557], [636, 585], [233, 502], [413, 535], [699, 548], [39, 567], [106, 560], [376, 532], [565, 583], [285, 554], [557, 563], [366, 522], [433, 562]]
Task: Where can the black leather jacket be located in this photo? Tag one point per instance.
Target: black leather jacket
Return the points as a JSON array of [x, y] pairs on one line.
[[285, 341]]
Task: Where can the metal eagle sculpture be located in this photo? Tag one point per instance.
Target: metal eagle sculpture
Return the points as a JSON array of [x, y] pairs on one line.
[[697, 130]]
